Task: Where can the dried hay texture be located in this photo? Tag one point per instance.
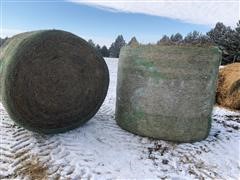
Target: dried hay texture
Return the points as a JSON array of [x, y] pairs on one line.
[[228, 91], [51, 81], [167, 92]]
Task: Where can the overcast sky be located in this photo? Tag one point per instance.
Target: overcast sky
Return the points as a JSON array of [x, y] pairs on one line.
[[103, 20]]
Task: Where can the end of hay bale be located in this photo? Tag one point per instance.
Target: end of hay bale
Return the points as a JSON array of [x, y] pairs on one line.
[[228, 90], [52, 80]]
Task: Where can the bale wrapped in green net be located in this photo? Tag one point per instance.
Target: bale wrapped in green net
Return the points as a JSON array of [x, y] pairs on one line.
[[51, 80], [167, 92]]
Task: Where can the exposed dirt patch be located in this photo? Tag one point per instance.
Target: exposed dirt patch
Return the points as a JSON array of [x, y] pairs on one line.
[[33, 169]]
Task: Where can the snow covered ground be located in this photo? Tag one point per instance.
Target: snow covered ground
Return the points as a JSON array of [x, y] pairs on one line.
[[102, 150]]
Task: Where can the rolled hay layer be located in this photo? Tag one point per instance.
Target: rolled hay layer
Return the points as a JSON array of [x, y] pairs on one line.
[[167, 92], [228, 91], [51, 80]]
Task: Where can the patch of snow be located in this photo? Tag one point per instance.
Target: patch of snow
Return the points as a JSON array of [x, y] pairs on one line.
[[221, 111], [100, 149]]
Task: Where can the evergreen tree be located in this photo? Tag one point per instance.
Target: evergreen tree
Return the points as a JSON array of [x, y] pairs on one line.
[[228, 42], [133, 42], [176, 37], [204, 39], [218, 32], [91, 43], [236, 42], [104, 51], [165, 40], [98, 48], [192, 37], [116, 46]]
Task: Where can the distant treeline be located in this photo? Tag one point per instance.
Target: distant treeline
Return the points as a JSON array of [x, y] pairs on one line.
[[226, 38]]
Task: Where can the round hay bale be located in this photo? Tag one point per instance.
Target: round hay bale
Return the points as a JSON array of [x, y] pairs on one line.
[[51, 80], [167, 92], [228, 91]]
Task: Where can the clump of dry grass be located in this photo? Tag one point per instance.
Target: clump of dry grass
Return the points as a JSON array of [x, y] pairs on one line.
[[33, 170], [228, 90]]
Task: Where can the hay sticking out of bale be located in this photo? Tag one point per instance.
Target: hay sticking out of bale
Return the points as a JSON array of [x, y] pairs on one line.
[[228, 91], [52, 81]]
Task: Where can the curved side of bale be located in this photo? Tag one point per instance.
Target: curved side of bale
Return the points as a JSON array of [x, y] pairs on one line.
[[228, 91], [6, 52], [51, 80]]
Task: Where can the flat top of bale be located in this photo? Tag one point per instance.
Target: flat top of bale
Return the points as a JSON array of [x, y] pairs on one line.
[[171, 56], [172, 46]]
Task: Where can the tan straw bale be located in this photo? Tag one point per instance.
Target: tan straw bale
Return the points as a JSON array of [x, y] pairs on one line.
[[228, 91]]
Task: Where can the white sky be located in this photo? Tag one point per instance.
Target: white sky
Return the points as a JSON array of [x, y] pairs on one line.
[[206, 12]]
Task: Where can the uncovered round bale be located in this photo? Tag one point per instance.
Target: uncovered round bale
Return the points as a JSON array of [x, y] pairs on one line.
[[228, 91], [167, 92], [51, 80]]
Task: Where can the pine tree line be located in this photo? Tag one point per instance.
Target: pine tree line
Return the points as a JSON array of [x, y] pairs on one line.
[[115, 47], [226, 38]]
